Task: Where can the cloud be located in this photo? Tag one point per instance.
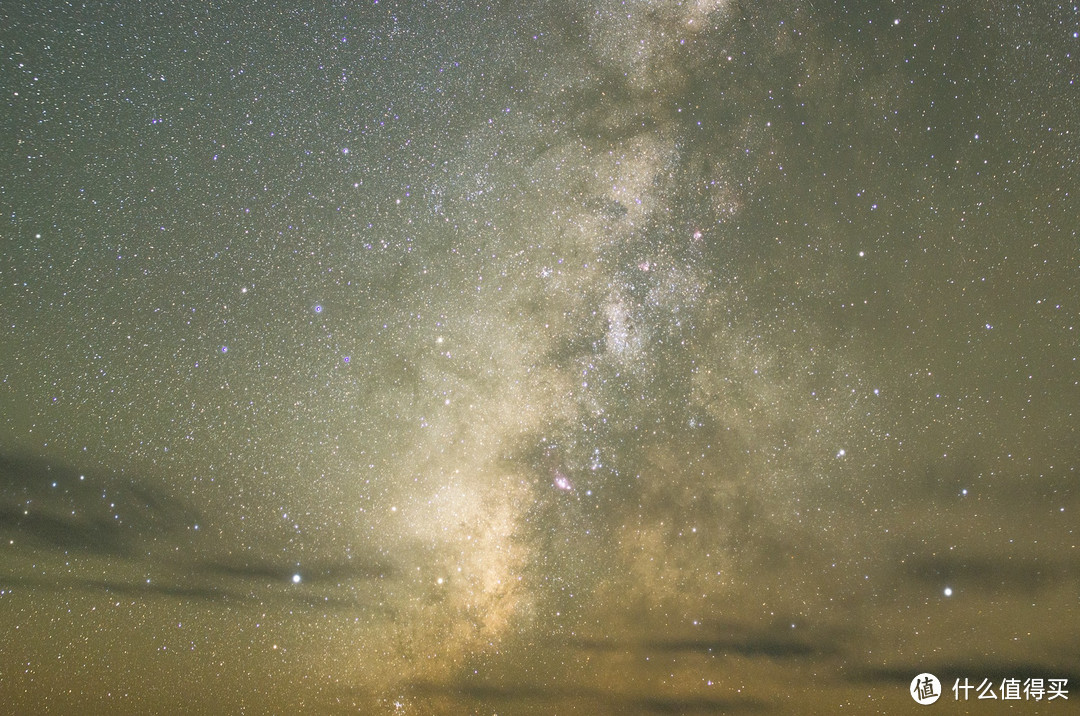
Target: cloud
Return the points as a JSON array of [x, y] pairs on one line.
[[620, 699], [995, 574], [120, 587], [263, 569], [55, 506], [129, 531], [779, 641]]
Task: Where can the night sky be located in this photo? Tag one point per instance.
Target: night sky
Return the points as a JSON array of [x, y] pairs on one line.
[[580, 356]]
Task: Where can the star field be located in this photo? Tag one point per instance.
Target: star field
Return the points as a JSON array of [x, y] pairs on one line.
[[612, 357]]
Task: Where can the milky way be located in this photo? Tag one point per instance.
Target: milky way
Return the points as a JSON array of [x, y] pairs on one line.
[[577, 357]]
